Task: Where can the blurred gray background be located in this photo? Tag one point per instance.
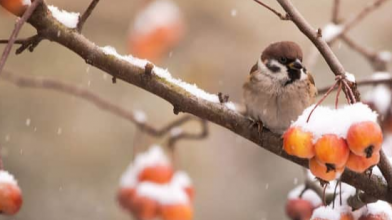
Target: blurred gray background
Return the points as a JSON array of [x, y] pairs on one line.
[[69, 159]]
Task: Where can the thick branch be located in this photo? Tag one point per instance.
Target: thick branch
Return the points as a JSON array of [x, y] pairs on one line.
[[181, 99]]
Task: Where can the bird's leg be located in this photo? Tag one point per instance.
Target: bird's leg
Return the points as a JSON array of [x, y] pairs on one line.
[[258, 123]]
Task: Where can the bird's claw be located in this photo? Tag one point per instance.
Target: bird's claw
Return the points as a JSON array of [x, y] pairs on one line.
[[257, 123]]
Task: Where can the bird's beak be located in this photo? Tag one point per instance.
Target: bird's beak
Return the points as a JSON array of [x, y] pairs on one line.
[[297, 65]]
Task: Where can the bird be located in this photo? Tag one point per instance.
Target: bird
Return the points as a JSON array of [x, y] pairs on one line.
[[278, 88]]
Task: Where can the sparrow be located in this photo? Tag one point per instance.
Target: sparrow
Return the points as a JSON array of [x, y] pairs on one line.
[[278, 87]]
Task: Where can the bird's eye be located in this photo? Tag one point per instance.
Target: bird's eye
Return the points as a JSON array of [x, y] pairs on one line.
[[283, 60]]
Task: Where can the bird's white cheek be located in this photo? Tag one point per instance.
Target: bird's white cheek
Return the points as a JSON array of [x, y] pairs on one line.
[[282, 73], [303, 75]]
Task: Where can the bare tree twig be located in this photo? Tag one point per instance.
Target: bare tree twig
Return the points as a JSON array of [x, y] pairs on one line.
[[304, 26], [189, 136], [80, 92], [371, 55], [336, 11], [86, 15], [15, 32], [364, 82], [355, 19], [346, 26], [281, 16]]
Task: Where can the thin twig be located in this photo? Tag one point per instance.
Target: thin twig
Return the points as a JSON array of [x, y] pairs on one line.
[[282, 17], [337, 96], [1, 158], [322, 99], [304, 26], [335, 11], [15, 32], [371, 55], [363, 82], [355, 19], [189, 136], [86, 15], [80, 92], [346, 26]]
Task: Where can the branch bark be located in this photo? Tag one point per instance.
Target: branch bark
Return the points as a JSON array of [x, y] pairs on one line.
[[183, 101]]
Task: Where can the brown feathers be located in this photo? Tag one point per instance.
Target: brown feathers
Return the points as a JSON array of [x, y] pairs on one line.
[[286, 49]]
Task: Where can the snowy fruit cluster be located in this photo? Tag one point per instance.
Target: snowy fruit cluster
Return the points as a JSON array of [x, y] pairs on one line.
[[305, 204], [334, 139], [16, 7], [10, 194], [150, 188]]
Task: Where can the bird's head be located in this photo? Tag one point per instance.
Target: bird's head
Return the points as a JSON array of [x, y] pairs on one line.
[[283, 61]]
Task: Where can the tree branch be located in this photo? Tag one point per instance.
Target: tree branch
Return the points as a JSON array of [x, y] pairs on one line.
[[336, 11], [15, 32], [346, 26], [106, 105], [281, 16], [374, 58], [181, 99], [86, 15], [364, 82], [304, 26]]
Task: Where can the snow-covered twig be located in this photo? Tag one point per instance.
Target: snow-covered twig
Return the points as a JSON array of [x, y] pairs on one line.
[[86, 14], [15, 32]]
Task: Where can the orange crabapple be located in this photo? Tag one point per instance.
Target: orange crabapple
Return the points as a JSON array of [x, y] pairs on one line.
[[332, 151], [360, 164], [365, 138], [16, 7], [323, 172], [10, 194], [159, 173], [298, 143], [299, 209], [176, 212]]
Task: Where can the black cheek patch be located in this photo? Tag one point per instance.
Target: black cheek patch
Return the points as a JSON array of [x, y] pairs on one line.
[[273, 68], [293, 75]]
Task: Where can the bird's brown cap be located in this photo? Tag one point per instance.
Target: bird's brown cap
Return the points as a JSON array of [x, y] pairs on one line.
[[287, 49]]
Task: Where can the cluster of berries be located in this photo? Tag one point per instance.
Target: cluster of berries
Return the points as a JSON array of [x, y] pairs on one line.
[[335, 139], [150, 189], [10, 194], [307, 205]]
